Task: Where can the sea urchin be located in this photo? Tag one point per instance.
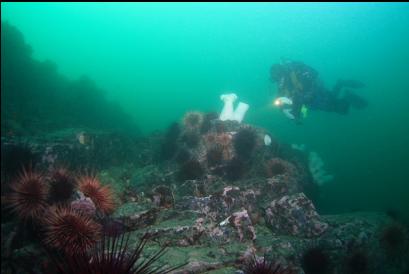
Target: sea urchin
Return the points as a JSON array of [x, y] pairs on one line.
[[101, 195], [263, 266], [244, 142], [393, 238], [62, 185], [277, 166], [113, 255], [69, 230], [193, 121], [29, 195]]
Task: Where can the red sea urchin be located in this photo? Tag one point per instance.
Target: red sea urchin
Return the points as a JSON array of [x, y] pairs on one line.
[[393, 238], [244, 142], [62, 185], [214, 156], [102, 196], [263, 266], [193, 121], [69, 230], [29, 195], [277, 166], [222, 141], [191, 139], [235, 169], [190, 170], [208, 118]]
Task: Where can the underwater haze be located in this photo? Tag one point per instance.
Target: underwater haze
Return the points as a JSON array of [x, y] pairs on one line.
[[160, 60], [147, 64]]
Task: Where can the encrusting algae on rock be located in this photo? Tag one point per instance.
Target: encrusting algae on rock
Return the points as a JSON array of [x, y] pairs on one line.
[[208, 202]]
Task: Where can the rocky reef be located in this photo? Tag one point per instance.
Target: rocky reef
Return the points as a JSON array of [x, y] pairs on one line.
[[213, 192]]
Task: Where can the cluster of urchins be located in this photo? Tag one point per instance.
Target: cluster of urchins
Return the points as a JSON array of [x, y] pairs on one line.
[[227, 154], [69, 216]]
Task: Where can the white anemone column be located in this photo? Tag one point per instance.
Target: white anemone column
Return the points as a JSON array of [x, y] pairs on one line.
[[227, 112], [240, 112]]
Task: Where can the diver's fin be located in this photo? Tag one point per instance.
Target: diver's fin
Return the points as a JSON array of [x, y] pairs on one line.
[[342, 106], [351, 84], [355, 101]]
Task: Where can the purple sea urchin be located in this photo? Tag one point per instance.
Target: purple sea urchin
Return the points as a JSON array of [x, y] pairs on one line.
[[113, 255]]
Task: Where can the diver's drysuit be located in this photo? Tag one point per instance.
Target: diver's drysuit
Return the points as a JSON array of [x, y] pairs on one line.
[[301, 84]]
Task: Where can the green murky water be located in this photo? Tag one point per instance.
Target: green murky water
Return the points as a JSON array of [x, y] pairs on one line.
[[145, 65]]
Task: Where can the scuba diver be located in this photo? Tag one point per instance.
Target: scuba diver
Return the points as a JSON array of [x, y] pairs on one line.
[[300, 89]]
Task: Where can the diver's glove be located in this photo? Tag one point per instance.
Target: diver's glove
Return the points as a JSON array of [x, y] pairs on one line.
[[288, 114], [285, 104], [283, 101]]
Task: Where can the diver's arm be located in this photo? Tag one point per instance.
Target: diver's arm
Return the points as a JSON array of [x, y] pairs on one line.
[[281, 88], [296, 108], [279, 91], [290, 114]]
